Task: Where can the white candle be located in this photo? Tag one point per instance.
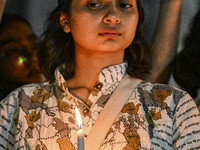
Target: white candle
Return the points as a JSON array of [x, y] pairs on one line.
[[80, 133]]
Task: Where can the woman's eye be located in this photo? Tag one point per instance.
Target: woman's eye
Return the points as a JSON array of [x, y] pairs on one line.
[[94, 5], [124, 5]]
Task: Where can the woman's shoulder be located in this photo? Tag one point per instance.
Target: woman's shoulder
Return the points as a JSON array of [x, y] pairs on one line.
[[163, 92], [27, 97], [28, 90], [148, 85]]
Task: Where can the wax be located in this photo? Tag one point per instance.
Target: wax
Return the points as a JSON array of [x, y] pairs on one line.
[[80, 137]]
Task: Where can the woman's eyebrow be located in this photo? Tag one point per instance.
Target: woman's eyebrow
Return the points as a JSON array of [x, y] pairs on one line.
[[8, 40]]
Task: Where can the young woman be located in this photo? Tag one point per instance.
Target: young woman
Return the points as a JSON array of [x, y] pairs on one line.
[[95, 44]]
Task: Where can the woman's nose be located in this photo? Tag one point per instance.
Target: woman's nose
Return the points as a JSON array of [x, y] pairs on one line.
[[112, 16], [34, 62]]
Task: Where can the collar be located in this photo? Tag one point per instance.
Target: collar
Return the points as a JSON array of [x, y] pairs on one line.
[[107, 81]]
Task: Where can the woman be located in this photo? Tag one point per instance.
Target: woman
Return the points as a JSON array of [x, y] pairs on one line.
[[18, 54], [95, 44]]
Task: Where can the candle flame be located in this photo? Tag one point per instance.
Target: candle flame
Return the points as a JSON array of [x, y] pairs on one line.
[[78, 118]]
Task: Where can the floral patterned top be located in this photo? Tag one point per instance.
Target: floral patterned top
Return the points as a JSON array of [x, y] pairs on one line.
[[41, 116]]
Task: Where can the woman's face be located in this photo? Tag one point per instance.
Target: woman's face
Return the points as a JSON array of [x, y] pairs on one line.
[[18, 54], [103, 25]]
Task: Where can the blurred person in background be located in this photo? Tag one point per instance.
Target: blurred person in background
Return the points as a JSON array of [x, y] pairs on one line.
[[186, 65], [18, 54]]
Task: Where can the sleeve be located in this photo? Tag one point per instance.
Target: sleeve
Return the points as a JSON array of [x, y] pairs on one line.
[[9, 110], [186, 125]]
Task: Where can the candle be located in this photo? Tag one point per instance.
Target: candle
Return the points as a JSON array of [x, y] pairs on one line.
[[80, 133]]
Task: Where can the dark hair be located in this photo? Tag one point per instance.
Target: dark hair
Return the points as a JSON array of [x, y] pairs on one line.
[[10, 18], [138, 54], [186, 65]]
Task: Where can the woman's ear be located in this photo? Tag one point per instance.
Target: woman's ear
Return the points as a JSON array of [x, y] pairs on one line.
[[64, 23]]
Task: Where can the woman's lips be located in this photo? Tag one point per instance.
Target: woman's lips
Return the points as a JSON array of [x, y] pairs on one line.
[[110, 33]]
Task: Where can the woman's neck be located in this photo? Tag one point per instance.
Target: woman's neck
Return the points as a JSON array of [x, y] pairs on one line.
[[87, 70]]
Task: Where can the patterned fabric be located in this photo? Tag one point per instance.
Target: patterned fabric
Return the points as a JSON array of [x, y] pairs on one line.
[[41, 116]]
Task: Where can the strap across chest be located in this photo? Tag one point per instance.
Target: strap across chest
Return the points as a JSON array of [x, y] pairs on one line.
[[110, 112]]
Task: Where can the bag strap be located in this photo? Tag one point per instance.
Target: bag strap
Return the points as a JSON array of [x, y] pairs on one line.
[[110, 112]]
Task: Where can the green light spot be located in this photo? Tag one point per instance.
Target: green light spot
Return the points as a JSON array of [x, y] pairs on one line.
[[21, 60]]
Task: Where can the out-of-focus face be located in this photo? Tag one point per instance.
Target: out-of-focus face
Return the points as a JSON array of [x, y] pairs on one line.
[[103, 25], [18, 54]]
